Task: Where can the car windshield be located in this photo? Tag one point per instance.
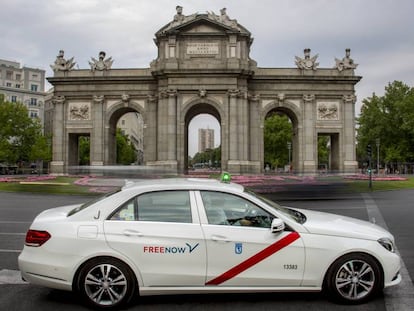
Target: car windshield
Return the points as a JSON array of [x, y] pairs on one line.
[[93, 201], [295, 215]]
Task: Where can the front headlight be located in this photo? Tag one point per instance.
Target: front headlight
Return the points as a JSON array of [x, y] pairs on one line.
[[387, 243]]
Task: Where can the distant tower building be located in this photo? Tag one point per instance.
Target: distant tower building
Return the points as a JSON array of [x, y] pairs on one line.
[[205, 139], [25, 85]]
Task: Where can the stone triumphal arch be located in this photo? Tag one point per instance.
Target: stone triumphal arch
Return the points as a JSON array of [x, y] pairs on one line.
[[203, 66]]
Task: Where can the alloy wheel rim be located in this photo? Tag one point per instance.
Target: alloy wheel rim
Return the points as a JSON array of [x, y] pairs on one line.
[[105, 284], [355, 279]]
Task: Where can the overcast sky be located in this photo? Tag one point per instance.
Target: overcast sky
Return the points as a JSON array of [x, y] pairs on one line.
[[380, 33]]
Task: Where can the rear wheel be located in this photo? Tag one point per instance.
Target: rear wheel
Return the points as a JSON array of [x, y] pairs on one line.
[[354, 278], [106, 283]]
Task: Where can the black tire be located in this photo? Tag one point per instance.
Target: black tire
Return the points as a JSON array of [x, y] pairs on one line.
[[354, 279], [106, 283]]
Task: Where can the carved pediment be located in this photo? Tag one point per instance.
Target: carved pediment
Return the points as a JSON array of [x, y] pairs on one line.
[[202, 23], [202, 28]]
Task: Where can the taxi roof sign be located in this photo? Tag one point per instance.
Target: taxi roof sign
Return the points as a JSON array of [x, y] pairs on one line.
[[225, 177]]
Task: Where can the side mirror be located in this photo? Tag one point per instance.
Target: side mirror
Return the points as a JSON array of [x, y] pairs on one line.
[[277, 225]]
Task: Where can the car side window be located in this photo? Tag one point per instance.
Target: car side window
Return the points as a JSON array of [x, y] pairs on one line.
[[165, 206], [228, 209]]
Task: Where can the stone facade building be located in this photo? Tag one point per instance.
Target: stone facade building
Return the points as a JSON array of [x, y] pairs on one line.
[[204, 67], [131, 125], [24, 85]]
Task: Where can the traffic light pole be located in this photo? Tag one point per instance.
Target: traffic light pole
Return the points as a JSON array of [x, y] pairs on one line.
[[370, 173], [369, 153]]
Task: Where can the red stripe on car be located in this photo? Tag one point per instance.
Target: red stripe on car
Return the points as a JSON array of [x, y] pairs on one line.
[[255, 259]]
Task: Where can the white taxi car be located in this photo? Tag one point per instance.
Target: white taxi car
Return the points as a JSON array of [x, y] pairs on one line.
[[203, 236]]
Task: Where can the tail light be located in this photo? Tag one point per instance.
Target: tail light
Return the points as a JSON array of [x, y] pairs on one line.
[[37, 238]]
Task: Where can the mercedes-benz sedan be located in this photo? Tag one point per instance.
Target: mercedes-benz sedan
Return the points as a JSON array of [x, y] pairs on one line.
[[203, 236]]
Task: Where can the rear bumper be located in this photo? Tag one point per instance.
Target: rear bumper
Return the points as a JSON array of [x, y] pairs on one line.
[[37, 268]]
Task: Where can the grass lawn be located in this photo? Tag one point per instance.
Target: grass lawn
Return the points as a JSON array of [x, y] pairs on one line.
[[380, 185]]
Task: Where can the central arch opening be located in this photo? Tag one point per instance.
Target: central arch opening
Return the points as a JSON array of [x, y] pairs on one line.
[[280, 143], [202, 140]]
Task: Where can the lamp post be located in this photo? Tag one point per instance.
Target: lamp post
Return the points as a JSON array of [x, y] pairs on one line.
[[289, 146], [377, 141]]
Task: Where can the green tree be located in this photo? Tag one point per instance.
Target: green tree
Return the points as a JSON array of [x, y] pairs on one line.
[[41, 149], [389, 118], [277, 133], [84, 150], [125, 151], [209, 155], [18, 132], [323, 151]]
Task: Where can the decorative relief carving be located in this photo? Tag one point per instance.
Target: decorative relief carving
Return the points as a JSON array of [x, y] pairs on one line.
[[202, 93], [307, 63], [79, 111], [223, 19], [152, 98], [233, 92], [328, 111], [349, 98], [254, 97], [243, 94], [98, 99], [168, 93], [102, 63], [179, 18], [125, 98], [308, 97], [61, 64], [172, 93], [58, 99], [281, 97], [346, 63]]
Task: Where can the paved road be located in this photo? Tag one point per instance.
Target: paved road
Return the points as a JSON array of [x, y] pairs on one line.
[[393, 208]]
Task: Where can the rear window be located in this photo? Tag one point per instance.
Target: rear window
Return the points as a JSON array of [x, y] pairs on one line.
[[159, 206], [93, 201]]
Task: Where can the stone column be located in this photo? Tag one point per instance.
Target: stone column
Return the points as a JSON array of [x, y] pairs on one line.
[[150, 129], [58, 165], [97, 139], [172, 125], [350, 165], [233, 128], [243, 126], [166, 132], [255, 134], [309, 147], [162, 130]]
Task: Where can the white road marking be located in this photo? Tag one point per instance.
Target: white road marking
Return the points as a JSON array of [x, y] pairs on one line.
[[400, 297], [11, 277], [10, 250]]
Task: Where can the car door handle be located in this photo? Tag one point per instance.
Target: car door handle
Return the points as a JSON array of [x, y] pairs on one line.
[[130, 232], [219, 238]]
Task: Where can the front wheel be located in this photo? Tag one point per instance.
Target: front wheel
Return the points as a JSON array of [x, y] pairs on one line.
[[354, 279], [106, 283]]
